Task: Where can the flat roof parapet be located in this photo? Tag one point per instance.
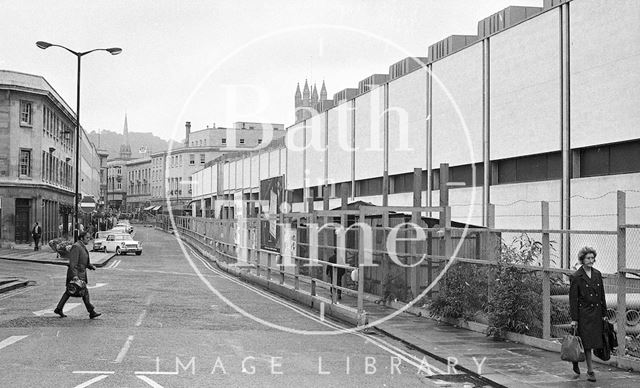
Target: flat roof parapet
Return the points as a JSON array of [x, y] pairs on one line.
[[373, 80], [344, 95], [406, 66], [505, 18], [450, 45]]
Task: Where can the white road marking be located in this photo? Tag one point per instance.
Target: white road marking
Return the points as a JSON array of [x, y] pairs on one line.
[[67, 307], [149, 381], [124, 350], [141, 317], [11, 340], [93, 380], [98, 285]]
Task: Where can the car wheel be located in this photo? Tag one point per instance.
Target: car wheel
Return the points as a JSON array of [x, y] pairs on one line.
[[138, 253], [118, 252]]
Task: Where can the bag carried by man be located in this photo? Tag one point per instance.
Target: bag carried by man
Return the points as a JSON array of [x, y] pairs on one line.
[[77, 287], [572, 349]]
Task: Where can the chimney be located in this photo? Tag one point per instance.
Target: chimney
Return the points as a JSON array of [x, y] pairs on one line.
[[187, 127]]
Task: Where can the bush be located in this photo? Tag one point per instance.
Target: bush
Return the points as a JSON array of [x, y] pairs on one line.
[[516, 305], [465, 292]]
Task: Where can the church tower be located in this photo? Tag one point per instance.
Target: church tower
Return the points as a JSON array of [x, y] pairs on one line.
[[125, 148], [309, 100]]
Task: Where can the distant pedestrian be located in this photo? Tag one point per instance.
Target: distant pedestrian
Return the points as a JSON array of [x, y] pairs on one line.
[[78, 265], [341, 272], [588, 307], [36, 233]]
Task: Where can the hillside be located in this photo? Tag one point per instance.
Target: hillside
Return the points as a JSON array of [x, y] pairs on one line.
[[111, 142]]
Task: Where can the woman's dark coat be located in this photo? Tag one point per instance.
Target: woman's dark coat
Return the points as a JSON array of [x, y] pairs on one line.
[[78, 262], [588, 305]]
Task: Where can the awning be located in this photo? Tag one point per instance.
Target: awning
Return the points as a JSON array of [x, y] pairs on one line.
[[148, 208], [156, 208]]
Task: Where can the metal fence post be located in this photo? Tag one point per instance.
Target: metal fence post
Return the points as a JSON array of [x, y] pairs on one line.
[[546, 275], [415, 218], [445, 223], [621, 312], [361, 248], [490, 249]]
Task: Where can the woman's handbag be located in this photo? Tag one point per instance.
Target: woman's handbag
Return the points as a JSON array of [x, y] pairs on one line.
[[572, 349], [609, 341], [77, 287]]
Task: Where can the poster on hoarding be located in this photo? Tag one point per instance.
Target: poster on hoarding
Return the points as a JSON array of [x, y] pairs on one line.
[[271, 197]]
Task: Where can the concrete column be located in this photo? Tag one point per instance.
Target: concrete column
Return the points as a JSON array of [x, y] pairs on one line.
[[486, 131], [565, 113]]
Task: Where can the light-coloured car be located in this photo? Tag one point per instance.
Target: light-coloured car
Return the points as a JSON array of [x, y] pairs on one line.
[[125, 225], [122, 244], [119, 229], [101, 237]]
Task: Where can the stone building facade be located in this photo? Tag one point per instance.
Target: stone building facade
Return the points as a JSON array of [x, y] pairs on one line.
[[37, 157]]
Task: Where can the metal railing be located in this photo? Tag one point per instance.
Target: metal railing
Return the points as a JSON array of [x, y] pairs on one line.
[[239, 241]]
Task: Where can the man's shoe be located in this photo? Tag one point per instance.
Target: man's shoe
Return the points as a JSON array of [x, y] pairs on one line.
[[60, 313], [93, 314], [591, 376]]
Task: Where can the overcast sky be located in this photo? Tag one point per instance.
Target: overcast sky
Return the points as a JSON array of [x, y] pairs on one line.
[[219, 61]]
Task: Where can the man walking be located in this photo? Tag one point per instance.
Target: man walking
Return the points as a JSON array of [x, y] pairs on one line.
[[36, 232], [78, 265]]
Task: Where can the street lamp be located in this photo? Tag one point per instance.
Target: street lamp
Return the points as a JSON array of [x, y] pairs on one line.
[[79, 55]]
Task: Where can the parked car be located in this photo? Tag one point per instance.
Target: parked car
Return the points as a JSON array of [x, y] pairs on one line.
[[125, 225], [122, 244], [101, 237], [119, 229]]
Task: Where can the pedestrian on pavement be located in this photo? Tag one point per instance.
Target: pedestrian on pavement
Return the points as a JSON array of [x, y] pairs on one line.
[[341, 272], [588, 307], [36, 232], [78, 265]]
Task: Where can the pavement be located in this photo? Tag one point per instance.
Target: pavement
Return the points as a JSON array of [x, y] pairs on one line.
[[498, 363], [25, 252]]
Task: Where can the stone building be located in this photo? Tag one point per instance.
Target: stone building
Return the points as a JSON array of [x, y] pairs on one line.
[[37, 157]]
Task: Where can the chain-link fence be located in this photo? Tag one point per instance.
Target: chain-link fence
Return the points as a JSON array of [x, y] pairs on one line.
[[512, 280]]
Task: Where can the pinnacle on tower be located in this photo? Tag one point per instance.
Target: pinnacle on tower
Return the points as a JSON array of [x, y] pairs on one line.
[[314, 95], [323, 92], [305, 91], [298, 103]]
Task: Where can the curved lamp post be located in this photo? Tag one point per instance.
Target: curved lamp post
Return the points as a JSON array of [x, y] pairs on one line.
[[79, 55]]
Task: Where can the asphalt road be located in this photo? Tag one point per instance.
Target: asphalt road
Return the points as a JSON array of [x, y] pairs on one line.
[[163, 327]]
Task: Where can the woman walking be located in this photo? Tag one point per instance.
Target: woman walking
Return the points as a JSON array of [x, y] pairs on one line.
[[588, 307]]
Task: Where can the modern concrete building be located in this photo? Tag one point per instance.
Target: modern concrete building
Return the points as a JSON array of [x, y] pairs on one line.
[[37, 155], [173, 169], [540, 105]]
